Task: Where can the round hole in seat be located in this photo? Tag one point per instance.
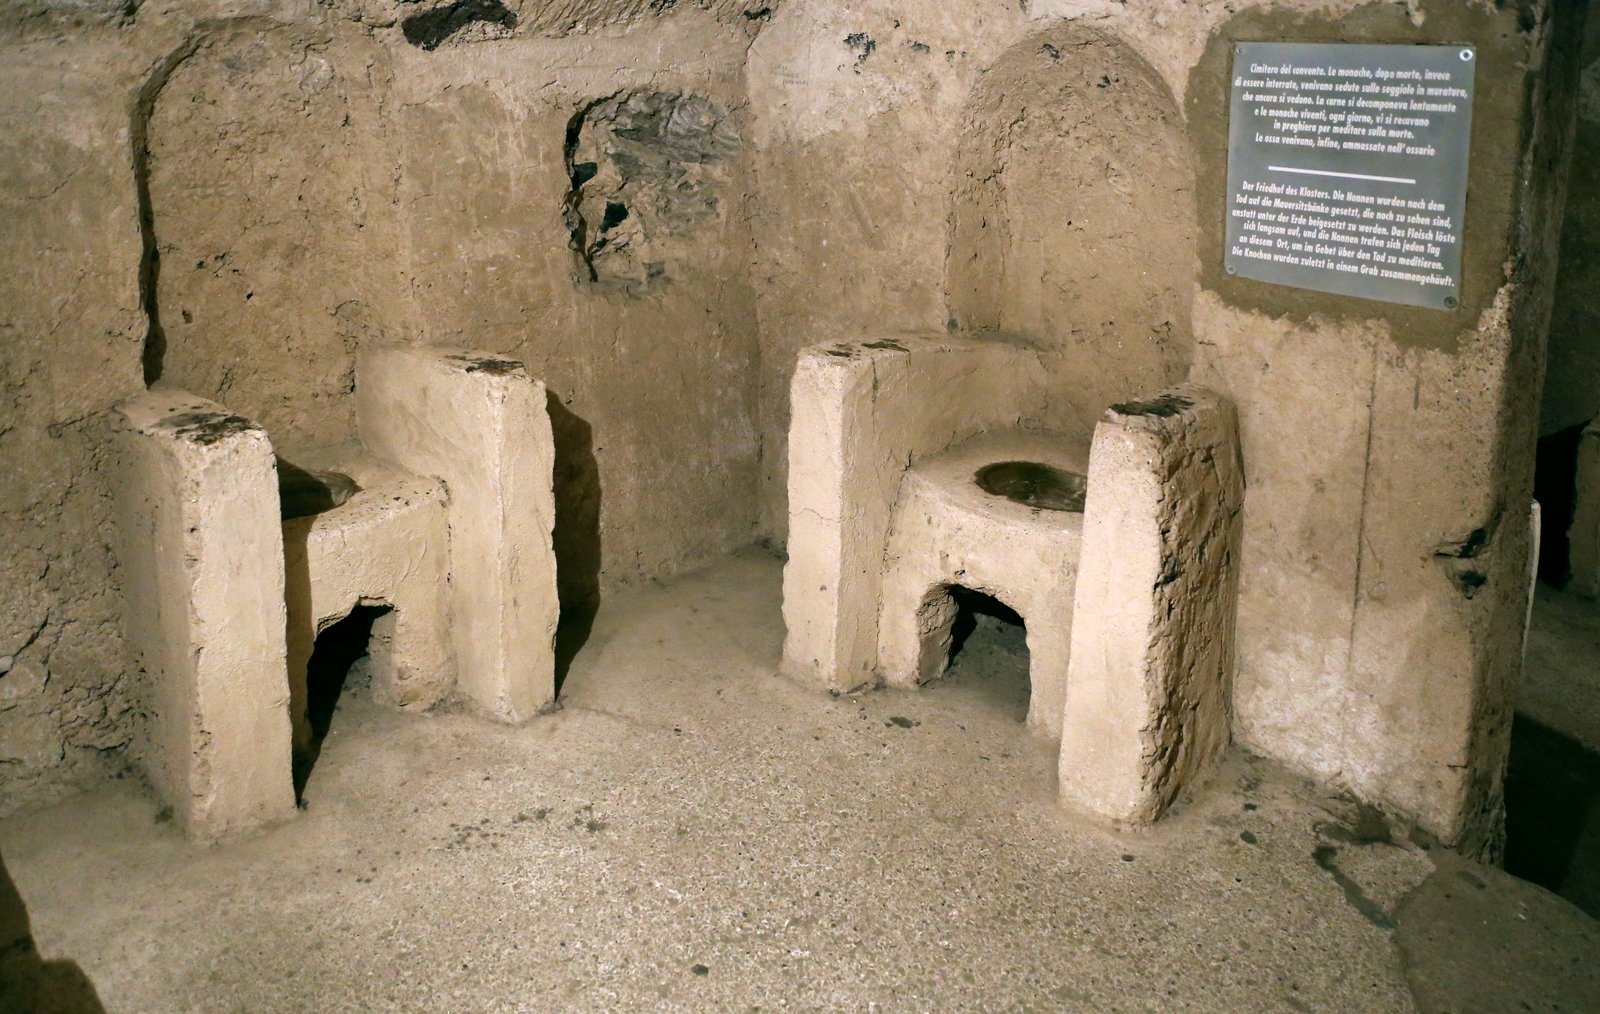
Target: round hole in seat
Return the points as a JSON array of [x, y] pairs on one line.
[[303, 492], [1037, 485]]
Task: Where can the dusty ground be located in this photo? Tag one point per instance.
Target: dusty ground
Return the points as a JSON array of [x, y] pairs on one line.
[[692, 833], [1561, 680], [1553, 778]]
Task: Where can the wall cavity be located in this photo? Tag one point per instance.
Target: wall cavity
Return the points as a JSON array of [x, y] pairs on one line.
[[465, 20], [647, 169]]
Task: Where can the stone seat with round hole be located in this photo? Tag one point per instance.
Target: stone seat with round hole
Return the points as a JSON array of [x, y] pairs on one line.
[[907, 456], [1001, 513]]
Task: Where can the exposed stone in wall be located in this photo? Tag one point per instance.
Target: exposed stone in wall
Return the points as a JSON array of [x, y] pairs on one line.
[[460, 21], [646, 168], [430, 24]]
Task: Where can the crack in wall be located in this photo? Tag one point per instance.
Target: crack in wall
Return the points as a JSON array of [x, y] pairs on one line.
[[153, 355], [1361, 517]]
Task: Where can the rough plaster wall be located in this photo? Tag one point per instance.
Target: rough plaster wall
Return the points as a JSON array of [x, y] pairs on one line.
[[1572, 378], [1378, 439], [661, 376], [70, 334], [863, 113], [272, 188], [1072, 218], [435, 213], [854, 150], [313, 189]]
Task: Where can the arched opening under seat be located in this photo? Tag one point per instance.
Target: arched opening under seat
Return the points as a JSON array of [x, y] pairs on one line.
[[975, 641], [340, 670], [1072, 219]]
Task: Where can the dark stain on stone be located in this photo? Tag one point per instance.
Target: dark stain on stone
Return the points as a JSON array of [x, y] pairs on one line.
[[1248, 837], [885, 343], [1127, 858], [758, 15], [616, 214], [862, 45], [921, 47], [1163, 405], [699, 970], [491, 365], [1468, 547], [431, 28], [1051, 51], [1367, 827], [901, 721], [207, 428], [1035, 485], [1323, 856], [1468, 578]]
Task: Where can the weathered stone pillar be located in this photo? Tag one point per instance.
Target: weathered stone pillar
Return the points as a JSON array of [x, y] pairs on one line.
[[201, 566], [1149, 680], [479, 422]]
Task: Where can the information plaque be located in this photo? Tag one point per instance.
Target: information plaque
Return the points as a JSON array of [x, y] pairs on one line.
[[1347, 168]]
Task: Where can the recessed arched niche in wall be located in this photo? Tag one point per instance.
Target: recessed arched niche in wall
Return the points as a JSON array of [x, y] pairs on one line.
[[1072, 223], [271, 202]]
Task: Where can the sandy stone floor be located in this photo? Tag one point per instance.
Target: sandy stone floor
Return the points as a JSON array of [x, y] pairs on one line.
[[1561, 680], [692, 833]]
